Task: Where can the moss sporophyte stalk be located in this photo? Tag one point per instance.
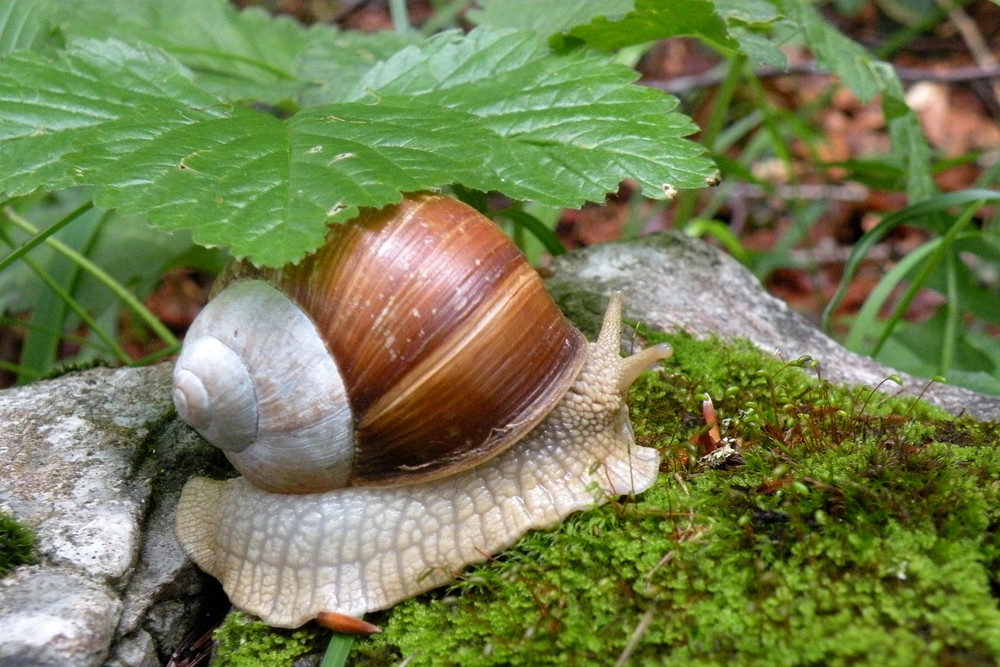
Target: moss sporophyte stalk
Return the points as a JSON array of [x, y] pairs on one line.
[[856, 528]]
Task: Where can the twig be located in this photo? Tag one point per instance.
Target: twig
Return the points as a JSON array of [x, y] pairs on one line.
[[716, 75], [953, 75], [973, 40], [849, 192], [636, 637]]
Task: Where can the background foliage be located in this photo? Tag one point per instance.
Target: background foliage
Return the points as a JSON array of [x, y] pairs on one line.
[[262, 168], [242, 130]]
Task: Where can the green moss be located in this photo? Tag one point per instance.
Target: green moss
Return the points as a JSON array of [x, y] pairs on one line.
[[17, 544], [859, 529], [242, 642]]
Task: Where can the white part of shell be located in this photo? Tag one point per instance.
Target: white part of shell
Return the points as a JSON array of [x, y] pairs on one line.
[[256, 379], [359, 549], [220, 405]]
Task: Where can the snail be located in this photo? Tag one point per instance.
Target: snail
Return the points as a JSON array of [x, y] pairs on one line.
[[404, 402]]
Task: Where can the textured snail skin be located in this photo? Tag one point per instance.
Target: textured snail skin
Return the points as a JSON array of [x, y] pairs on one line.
[[286, 558]]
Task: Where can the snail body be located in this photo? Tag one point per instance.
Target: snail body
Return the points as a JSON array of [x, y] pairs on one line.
[[427, 413]]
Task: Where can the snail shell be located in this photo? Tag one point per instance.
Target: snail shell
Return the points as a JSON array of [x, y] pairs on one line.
[[416, 341]]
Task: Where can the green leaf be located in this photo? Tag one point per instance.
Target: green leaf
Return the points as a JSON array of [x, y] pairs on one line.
[[544, 18], [753, 24], [51, 108], [907, 136], [579, 115], [492, 111], [236, 54], [49, 313], [333, 63], [921, 214], [655, 19], [240, 55], [198, 28], [750, 12], [973, 297], [267, 188], [760, 49], [24, 24], [337, 650], [834, 50], [975, 354]]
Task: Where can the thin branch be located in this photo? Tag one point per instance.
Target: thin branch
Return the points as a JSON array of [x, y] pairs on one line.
[[717, 75], [637, 635], [973, 39]]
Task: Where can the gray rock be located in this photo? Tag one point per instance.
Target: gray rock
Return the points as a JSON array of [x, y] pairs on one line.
[[94, 461], [56, 616], [673, 283]]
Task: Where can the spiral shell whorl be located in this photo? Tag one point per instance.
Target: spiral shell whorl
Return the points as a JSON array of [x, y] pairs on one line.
[[220, 405], [256, 380]]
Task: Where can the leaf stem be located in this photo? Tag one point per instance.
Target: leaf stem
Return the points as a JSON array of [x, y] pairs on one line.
[[40, 237], [400, 17], [720, 111]]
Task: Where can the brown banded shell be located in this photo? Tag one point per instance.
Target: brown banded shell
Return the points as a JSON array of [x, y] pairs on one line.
[[447, 342]]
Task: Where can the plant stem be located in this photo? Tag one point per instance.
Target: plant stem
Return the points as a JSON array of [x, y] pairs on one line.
[[101, 275], [400, 17], [40, 237]]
